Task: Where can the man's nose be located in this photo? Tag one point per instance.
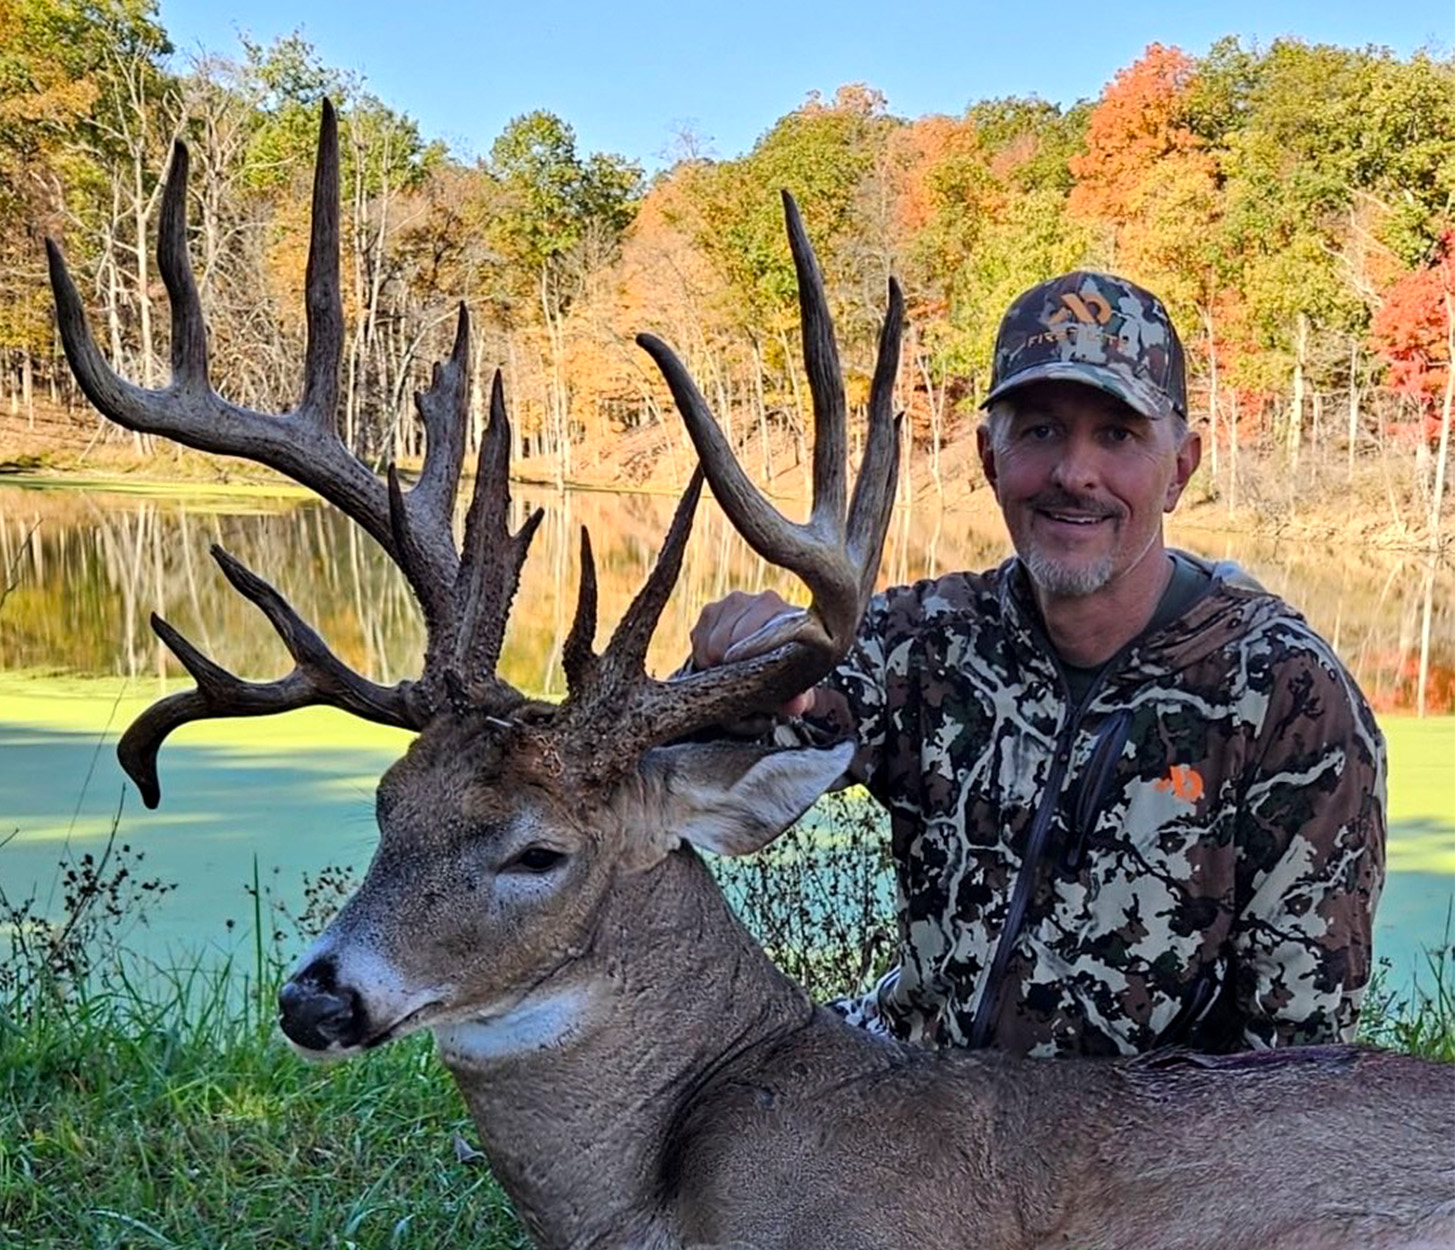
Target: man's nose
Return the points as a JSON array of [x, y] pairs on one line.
[[1076, 468]]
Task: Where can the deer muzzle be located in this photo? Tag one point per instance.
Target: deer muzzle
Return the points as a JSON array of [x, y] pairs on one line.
[[317, 1014]]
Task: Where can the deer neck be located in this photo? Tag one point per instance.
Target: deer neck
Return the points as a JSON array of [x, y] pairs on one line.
[[576, 1105]]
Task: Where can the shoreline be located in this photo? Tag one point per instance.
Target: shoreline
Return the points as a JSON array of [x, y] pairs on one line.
[[1322, 519]]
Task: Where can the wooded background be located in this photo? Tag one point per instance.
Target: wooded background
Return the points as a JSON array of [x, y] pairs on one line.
[[1294, 205]]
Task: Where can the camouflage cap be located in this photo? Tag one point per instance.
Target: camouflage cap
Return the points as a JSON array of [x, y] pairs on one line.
[[1093, 328]]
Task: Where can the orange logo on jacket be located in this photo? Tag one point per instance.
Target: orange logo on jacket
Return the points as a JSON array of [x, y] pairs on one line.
[[1182, 782]]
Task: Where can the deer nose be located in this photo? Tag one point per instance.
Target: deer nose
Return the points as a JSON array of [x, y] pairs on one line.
[[315, 1013]]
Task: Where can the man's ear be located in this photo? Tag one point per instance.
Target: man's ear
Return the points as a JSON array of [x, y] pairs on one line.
[[985, 446], [726, 797], [1189, 456]]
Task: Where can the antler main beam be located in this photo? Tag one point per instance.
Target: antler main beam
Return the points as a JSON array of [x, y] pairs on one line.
[[304, 444], [835, 552], [465, 599]]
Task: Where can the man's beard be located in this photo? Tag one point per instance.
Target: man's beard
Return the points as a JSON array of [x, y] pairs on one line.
[[1070, 581], [1067, 581]]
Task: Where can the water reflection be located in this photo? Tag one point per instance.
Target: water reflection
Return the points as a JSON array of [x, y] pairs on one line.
[[97, 563]]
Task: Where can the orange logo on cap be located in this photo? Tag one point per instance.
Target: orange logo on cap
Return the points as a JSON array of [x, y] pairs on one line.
[[1099, 314], [1182, 782]]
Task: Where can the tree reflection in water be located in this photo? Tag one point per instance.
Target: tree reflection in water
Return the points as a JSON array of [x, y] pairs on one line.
[[100, 562]]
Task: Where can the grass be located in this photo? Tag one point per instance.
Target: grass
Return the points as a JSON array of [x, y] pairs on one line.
[[1420, 1020], [174, 1117], [126, 1120], [141, 1108]]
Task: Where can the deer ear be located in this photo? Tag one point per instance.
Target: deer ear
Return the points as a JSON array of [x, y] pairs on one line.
[[734, 799]]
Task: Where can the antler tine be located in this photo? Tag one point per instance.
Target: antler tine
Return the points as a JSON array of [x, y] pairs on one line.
[[756, 519], [626, 653], [825, 381], [334, 681], [304, 446], [106, 389], [414, 528], [443, 409], [816, 551], [836, 556], [189, 331], [577, 658], [611, 702], [489, 574], [872, 503], [602, 682], [323, 301]]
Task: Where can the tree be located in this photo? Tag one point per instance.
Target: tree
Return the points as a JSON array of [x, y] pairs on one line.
[[46, 92], [558, 217], [997, 224], [1414, 332]]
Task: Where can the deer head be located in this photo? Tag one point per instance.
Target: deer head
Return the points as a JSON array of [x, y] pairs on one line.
[[509, 819]]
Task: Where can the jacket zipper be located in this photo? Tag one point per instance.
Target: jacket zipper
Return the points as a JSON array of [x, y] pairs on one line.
[[1110, 740], [1025, 881], [1199, 998], [1041, 824]]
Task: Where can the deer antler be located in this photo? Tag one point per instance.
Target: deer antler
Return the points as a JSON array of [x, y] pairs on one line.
[[465, 599], [612, 703]]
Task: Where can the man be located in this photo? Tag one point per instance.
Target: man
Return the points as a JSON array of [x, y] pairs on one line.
[[1135, 801]]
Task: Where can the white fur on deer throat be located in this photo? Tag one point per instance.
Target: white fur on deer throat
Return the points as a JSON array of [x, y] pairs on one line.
[[538, 1022]]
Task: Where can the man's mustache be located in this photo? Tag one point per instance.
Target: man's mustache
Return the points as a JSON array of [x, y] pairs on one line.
[[1068, 501]]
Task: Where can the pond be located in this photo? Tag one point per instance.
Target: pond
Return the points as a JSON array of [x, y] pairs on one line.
[[293, 794]]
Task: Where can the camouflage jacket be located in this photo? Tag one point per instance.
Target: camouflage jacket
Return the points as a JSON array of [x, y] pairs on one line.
[[1192, 855]]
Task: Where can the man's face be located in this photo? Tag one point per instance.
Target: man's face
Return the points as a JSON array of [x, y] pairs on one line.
[[1083, 481]]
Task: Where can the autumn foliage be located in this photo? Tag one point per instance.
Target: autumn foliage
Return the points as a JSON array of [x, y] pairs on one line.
[[1290, 203], [1137, 126], [1413, 327]]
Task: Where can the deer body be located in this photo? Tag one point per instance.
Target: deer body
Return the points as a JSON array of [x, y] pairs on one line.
[[738, 1114], [641, 1075]]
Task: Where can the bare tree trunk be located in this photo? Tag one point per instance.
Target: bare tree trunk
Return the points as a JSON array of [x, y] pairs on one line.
[[1437, 499], [358, 243], [937, 405], [113, 288], [720, 390], [1232, 449], [374, 260], [799, 418], [1426, 613], [762, 410], [477, 394], [1396, 517], [516, 432], [1295, 418], [557, 404], [1353, 404], [141, 212], [1212, 391]]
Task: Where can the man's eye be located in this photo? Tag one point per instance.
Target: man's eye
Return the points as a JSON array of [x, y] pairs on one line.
[[1038, 433], [536, 859]]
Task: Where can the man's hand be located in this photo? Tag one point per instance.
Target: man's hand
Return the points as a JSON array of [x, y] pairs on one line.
[[740, 626]]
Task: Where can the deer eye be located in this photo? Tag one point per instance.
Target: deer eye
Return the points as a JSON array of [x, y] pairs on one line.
[[536, 859]]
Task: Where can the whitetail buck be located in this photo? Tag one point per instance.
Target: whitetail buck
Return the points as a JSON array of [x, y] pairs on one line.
[[642, 1076]]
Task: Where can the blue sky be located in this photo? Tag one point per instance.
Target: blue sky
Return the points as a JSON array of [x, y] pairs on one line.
[[629, 74]]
